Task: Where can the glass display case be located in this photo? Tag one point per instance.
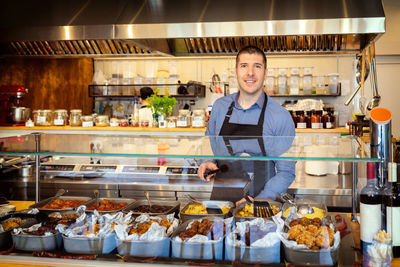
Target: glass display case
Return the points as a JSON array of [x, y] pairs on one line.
[[166, 166]]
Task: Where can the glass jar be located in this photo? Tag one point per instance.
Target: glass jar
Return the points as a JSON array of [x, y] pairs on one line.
[[35, 115], [320, 85], [270, 81], [315, 120], [301, 122], [183, 120], [60, 117], [87, 121], [294, 82], [171, 122], [114, 122], [198, 118], [329, 120], [144, 123], [102, 120], [282, 81], [307, 84], [333, 83], [75, 117], [43, 117]]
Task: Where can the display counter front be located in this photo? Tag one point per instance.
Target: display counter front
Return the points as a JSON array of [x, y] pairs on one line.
[[125, 166]]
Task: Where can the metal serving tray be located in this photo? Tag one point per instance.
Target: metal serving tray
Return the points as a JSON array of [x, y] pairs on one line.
[[86, 245], [48, 200], [241, 206], [318, 205], [35, 242], [5, 237], [210, 250], [185, 217], [175, 205], [115, 199]]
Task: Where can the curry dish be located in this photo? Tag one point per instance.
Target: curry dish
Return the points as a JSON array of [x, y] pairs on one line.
[[144, 227], [11, 223], [107, 205], [201, 209], [60, 204]]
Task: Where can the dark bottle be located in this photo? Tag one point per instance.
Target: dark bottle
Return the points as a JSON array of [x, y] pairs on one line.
[[370, 208], [391, 200], [329, 120], [301, 121], [308, 118], [316, 120]]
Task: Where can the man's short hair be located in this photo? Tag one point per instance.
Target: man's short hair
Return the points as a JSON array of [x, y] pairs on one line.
[[145, 92], [251, 50]]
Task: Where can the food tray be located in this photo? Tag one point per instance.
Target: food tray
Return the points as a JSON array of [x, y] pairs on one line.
[[186, 217], [115, 199], [175, 205], [318, 205], [211, 250], [5, 237], [311, 257], [48, 200], [137, 248], [86, 245], [35, 242], [249, 254], [241, 206]]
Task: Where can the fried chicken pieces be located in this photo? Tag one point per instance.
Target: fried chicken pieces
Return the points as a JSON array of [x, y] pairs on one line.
[[144, 227], [311, 233]]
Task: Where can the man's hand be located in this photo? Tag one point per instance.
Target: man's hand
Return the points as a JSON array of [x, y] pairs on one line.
[[243, 200], [206, 167]]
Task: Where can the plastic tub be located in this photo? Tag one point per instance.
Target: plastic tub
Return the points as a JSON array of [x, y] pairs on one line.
[[138, 248], [35, 242], [86, 245]]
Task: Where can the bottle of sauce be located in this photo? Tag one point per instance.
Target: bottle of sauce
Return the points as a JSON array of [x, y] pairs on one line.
[[308, 118], [301, 122], [315, 120], [329, 120]]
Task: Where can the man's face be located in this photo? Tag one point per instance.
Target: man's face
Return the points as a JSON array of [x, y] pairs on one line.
[[250, 72]]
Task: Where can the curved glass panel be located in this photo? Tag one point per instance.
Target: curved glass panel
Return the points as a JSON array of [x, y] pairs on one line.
[[301, 147]]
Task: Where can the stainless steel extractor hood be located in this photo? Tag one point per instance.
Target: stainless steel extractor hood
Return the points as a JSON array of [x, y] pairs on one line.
[[186, 27]]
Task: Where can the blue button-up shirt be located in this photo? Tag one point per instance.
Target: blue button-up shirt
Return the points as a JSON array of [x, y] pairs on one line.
[[278, 133]]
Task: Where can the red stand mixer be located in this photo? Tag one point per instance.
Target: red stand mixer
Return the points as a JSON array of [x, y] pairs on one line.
[[11, 114]]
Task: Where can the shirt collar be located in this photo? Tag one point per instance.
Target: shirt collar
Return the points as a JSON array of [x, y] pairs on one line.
[[259, 103]]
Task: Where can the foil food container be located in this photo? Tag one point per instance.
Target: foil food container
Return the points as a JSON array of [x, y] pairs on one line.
[[35, 242], [317, 205], [311, 257], [209, 250], [86, 245], [175, 205], [116, 200], [40, 204], [185, 216]]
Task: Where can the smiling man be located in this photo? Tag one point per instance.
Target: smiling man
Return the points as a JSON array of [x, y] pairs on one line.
[[247, 116]]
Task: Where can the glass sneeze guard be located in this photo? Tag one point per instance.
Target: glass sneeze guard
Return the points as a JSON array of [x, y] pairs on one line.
[[302, 147]]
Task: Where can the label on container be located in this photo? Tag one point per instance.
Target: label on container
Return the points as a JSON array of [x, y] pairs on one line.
[[301, 125], [171, 124], [316, 125], [58, 122], [114, 124], [370, 221], [198, 122], [162, 124], [392, 224], [329, 125], [181, 123], [87, 123], [41, 119]]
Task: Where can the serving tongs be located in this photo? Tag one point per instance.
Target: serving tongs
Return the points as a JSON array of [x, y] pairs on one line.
[[212, 207], [96, 195]]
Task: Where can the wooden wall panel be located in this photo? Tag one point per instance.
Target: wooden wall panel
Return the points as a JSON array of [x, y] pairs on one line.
[[53, 83]]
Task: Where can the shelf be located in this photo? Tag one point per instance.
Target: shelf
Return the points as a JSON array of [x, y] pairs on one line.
[[187, 90], [294, 148]]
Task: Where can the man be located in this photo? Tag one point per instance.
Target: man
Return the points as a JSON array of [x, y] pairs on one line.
[[251, 113], [145, 113]]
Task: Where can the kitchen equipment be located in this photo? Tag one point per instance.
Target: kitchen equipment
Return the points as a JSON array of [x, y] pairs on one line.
[[362, 66], [96, 196], [374, 102], [187, 216], [11, 114], [174, 207], [128, 201], [90, 245], [147, 197], [262, 209], [35, 242]]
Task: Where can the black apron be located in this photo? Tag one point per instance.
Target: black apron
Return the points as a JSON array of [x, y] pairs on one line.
[[262, 170]]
